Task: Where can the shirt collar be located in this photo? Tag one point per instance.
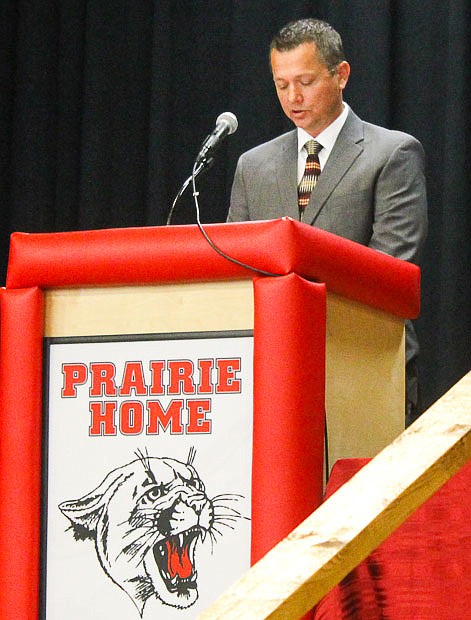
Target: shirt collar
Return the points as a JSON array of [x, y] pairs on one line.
[[329, 135]]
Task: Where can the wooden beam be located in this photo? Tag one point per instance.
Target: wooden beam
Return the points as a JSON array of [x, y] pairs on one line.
[[322, 550]]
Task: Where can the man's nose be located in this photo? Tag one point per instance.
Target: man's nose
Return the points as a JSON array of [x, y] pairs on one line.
[[294, 93]]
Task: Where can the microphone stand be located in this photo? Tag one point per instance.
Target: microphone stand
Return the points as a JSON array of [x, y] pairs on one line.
[[204, 164]]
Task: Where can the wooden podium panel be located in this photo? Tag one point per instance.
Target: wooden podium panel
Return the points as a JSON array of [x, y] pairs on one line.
[[190, 307], [365, 381]]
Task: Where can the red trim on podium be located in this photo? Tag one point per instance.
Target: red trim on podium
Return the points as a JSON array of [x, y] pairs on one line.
[[181, 254], [20, 436], [288, 443]]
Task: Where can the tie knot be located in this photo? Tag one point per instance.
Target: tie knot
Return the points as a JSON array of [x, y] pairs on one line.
[[312, 147]]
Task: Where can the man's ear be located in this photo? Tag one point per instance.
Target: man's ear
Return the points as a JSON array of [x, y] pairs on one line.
[[343, 73]]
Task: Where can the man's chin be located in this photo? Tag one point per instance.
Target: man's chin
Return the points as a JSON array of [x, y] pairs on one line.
[[303, 120]]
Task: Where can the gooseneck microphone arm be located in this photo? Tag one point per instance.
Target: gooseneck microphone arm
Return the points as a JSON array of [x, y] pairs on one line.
[[201, 167]]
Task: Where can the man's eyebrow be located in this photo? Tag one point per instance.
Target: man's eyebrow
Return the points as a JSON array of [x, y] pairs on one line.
[[298, 76]]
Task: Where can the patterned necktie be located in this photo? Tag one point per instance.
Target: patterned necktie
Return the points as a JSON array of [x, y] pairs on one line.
[[311, 172]]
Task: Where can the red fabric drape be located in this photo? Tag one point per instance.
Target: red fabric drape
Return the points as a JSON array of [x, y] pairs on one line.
[[421, 572]]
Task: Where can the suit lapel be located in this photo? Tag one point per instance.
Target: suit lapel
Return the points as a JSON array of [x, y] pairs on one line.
[[286, 167], [346, 149]]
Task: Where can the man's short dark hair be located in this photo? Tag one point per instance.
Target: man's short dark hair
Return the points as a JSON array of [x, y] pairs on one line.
[[327, 40]]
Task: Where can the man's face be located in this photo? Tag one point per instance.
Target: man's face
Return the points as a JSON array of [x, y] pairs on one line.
[[310, 95]]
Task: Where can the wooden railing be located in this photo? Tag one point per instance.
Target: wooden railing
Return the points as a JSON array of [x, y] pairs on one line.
[[322, 550]]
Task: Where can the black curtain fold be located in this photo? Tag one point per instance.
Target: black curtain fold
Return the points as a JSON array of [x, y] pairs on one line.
[[103, 107]]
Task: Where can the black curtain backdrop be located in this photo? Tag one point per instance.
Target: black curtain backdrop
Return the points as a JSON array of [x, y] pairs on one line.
[[103, 105]]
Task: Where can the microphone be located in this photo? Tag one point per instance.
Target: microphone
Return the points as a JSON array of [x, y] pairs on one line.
[[226, 123]]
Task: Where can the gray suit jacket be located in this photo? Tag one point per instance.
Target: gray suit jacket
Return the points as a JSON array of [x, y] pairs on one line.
[[371, 190]]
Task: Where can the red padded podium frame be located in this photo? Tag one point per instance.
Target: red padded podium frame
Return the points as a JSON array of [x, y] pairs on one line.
[[304, 262]]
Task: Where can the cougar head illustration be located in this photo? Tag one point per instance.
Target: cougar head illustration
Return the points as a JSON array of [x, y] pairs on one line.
[[146, 519]]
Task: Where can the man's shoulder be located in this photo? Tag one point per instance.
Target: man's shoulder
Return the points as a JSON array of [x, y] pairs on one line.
[[392, 135], [375, 133]]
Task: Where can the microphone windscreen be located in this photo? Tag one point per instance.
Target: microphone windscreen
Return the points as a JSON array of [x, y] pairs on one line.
[[229, 119]]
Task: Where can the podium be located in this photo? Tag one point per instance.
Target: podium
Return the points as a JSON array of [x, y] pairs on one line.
[[296, 345]]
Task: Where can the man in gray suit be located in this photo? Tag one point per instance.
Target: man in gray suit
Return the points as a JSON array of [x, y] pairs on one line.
[[371, 185]]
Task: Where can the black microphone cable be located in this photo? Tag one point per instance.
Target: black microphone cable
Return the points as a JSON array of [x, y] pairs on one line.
[[211, 242]]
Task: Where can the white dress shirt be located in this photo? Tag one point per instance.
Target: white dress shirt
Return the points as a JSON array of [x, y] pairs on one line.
[[327, 138]]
